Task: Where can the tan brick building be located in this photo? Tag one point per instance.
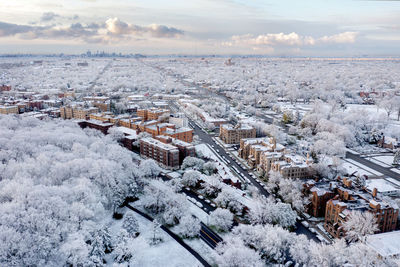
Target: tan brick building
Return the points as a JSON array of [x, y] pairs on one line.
[[335, 200], [252, 148], [233, 134], [168, 129], [151, 114], [288, 165], [9, 110], [77, 112]]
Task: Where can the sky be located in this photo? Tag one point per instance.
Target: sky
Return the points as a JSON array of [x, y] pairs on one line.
[[337, 28]]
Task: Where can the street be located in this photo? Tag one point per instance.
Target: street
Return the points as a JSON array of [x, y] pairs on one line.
[[206, 138]]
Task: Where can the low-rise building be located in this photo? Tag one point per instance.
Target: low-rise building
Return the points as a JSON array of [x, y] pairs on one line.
[[152, 113], [98, 125], [185, 149], [9, 110], [165, 154], [230, 134], [387, 245], [5, 88], [79, 113], [342, 196], [288, 165], [252, 148]]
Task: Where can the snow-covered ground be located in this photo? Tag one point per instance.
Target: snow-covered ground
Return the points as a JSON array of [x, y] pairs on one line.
[[223, 170], [358, 169], [166, 253]]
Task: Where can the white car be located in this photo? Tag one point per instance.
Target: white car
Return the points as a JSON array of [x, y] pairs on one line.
[[312, 230], [198, 204], [305, 224], [213, 205], [200, 196], [320, 238], [207, 201]]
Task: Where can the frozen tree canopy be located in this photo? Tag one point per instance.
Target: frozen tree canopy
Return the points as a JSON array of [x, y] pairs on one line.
[[57, 182]]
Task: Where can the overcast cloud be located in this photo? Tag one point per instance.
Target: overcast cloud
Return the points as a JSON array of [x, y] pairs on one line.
[[287, 27]]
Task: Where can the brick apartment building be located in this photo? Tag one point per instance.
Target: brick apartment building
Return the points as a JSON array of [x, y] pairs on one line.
[[185, 149], [9, 110], [165, 154], [252, 148], [77, 112], [335, 200], [98, 125], [288, 165], [168, 129], [151, 114], [230, 134], [5, 88]]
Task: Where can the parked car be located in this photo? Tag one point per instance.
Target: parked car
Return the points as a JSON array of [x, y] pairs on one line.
[[305, 224]]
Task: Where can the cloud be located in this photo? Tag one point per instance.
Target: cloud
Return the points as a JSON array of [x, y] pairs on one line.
[[118, 27], [163, 31], [112, 30], [48, 16], [341, 38], [291, 39], [9, 29]]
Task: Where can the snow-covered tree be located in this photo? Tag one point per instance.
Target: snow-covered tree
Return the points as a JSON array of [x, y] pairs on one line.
[[189, 226], [212, 187], [131, 225], [191, 178], [149, 168], [360, 224], [123, 251], [233, 253], [52, 188], [209, 168], [193, 163], [221, 219], [268, 211]]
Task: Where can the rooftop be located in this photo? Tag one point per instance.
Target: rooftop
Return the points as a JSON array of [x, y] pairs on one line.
[[385, 244]]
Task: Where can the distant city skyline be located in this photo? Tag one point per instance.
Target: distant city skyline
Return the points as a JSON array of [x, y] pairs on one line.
[[339, 28]]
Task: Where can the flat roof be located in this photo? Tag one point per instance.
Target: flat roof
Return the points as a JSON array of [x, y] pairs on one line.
[[385, 244]]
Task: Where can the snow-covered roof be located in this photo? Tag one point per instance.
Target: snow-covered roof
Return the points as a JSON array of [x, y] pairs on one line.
[[126, 131], [382, 185], [385, 244]]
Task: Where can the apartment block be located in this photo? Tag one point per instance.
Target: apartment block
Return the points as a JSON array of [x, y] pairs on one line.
[[335, 200], [5, 88], [185, 149], [165, 154], [77, 112], [252, 148], [151, 114], [9, 110], [288, 165], [230, 134], [98, 125], [184, 134]]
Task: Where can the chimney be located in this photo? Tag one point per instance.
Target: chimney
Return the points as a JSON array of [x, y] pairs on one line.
[[158, 130], [374, 192], [308, 158]]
